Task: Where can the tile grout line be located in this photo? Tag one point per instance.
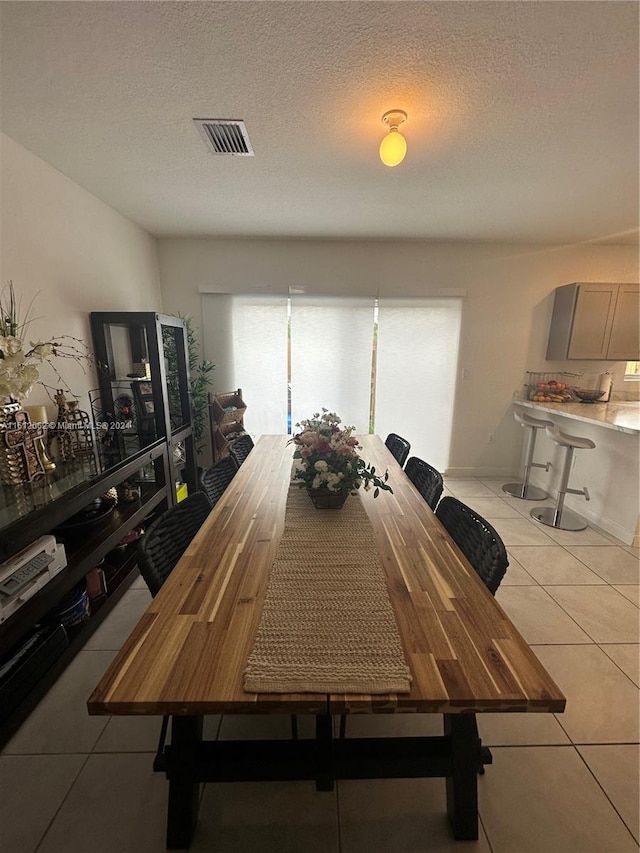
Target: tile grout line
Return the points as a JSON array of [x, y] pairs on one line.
[[63, 800], [613, 805], [615, 663], [484, 829], [338, 816], [582, 628]]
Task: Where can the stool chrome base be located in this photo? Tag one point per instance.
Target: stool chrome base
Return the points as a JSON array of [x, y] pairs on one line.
[[531, 493], [566, 520]]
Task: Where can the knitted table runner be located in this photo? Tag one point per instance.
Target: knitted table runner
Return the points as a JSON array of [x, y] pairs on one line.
[[327, 624]]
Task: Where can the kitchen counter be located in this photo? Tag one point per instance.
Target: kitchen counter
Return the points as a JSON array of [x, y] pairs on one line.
[[622, 416]]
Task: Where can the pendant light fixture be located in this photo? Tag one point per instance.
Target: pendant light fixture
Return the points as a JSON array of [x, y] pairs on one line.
[[394, 146]]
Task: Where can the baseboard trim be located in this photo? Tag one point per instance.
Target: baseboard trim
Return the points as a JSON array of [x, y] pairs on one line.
[[507, 473], [600, 523]]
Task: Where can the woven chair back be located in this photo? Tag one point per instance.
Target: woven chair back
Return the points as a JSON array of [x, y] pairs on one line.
[[477, 539], [216, 478], [241, 447], [166, 539], [426, 479], [398, 446]]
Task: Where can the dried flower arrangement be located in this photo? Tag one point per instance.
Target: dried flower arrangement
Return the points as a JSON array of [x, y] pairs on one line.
[[20, 362]]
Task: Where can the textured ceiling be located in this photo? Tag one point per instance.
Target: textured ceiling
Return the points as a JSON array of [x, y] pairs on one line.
[[523, 116]]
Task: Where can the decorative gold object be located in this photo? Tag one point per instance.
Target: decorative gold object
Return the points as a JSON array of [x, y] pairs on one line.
[[19, 458], [59, 433], [38, 415], [79, 425], [72, 430]]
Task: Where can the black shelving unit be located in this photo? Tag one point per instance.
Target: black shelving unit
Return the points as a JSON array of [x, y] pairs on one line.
[[41, 507], [143, 435]]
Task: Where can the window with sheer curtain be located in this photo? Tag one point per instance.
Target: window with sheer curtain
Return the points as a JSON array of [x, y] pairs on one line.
[[259, 353], [417, 359], [386, 365], [331, 342]]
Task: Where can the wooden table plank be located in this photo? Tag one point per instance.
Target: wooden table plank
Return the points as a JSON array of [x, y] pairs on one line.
[[188, 653]]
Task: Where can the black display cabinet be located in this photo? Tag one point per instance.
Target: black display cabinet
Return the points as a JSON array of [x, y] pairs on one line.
[[144, 389]]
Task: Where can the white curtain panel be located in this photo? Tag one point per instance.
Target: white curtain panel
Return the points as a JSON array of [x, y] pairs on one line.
[[259, 350], [331, 345], [416, 373]]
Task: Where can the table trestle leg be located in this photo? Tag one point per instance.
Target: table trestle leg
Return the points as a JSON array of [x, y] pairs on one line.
[[462, 784], [325, 772], [184, 789]]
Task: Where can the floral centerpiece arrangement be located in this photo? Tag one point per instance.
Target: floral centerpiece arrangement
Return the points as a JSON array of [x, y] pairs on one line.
[[328, 460], [19, 361]]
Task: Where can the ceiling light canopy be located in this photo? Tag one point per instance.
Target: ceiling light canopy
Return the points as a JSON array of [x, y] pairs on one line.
[[394, 146]]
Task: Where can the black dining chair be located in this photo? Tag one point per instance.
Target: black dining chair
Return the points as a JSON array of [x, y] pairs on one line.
[[398, 446], [484, 549], [241, 447], [214, 480], [164, 542], [477, 539], [426, 479]]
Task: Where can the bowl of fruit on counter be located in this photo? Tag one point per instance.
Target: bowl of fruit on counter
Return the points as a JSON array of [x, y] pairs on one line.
[[551, 392]]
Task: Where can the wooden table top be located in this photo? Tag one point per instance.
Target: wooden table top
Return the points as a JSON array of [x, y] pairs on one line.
[[189, 650]]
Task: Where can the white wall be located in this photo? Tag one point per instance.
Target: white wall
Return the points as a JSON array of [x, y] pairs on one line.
[[506, 310], [72, 252], [75, 254]]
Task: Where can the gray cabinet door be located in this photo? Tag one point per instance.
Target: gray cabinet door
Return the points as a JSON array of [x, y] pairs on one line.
[[624, 343], [593, 320]]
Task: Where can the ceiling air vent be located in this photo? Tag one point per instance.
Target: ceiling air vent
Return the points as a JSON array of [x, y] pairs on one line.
[[225, 136]]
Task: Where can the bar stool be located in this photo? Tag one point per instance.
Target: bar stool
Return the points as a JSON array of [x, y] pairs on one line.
[[524, 490], [558, 516]]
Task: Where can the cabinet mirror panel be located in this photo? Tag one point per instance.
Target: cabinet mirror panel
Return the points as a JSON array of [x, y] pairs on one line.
[[124, 408], [173, 346]]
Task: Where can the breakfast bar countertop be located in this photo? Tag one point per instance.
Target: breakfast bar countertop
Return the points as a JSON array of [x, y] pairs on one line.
[[623, 416]]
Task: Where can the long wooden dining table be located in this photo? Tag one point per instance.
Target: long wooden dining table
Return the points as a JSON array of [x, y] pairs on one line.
[[187, 655]]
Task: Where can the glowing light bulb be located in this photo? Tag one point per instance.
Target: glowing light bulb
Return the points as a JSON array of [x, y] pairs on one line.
[[393, 148]]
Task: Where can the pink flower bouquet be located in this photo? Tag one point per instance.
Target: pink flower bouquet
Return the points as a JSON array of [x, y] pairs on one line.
[[327, 457]]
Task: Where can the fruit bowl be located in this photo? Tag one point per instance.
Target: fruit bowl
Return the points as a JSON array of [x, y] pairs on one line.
[[546, 393], [586, 395]]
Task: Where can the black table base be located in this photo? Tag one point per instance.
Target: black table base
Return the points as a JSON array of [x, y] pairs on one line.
[[456, 756]]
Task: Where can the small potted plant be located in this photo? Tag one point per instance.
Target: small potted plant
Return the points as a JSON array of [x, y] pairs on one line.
[[200, 373], [328, 463], [200, 379]]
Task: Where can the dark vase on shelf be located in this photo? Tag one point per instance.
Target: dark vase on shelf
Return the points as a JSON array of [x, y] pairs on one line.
[[328, 498]]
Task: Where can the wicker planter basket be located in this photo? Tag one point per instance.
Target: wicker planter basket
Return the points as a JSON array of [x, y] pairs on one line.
[[228, 408], [328, 498], [224, 436]]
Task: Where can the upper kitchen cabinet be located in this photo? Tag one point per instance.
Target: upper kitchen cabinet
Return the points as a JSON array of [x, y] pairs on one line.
[[595, 321]]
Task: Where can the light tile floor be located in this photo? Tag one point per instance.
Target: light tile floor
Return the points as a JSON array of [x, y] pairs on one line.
[[565, 783]]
